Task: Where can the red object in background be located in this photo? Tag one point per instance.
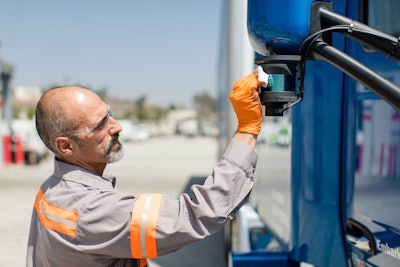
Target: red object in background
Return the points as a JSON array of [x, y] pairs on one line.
[[7, 149], [19, 150]]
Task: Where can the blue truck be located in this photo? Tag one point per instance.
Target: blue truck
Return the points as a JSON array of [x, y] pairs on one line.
[[330, 195]]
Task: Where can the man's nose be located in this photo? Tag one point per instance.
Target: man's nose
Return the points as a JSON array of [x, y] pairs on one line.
[[114, 126]]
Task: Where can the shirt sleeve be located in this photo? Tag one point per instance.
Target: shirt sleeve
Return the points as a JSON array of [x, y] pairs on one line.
[[149, 225], [186, 220]]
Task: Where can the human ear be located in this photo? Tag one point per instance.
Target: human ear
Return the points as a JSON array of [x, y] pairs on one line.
[[63, 146]]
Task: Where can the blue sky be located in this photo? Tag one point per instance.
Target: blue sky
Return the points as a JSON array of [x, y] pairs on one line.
[[165, 50]]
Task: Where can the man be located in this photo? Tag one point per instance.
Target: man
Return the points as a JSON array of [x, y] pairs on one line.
[[79, 219]]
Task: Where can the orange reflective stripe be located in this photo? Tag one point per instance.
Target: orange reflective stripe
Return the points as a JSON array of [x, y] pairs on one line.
[[135, 226], [151, 245], [143, 225], [56, 218], [143, 262]]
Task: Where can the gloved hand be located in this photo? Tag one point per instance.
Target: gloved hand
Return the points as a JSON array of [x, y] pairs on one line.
[[246, 102]]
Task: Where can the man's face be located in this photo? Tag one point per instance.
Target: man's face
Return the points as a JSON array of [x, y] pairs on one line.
[[97, 137]]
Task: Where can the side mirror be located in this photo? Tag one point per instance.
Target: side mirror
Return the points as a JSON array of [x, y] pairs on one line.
[[278, 25], [291, 28], [278, 38]]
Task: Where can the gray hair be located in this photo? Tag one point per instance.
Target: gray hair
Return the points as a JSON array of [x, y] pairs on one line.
[[52, 118]]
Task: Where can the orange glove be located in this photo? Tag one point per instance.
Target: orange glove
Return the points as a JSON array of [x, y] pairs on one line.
[[246, 103]]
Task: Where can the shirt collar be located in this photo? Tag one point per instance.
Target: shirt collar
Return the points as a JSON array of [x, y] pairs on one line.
[[73, 173]]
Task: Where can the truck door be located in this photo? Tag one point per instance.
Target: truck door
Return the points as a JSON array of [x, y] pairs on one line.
[[373, 218], [372, 153]]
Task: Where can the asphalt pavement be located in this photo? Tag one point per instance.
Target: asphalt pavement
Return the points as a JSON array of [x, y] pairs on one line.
[[158, 165]]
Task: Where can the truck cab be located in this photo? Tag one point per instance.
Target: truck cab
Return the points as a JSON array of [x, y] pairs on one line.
[[329, 196]]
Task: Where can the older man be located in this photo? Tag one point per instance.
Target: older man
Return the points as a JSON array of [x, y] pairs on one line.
[[80, 219]]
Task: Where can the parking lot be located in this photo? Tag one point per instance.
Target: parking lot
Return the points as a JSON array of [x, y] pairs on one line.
[[159, 165]]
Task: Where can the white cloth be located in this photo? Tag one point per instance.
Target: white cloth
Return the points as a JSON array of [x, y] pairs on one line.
[[262, 76]]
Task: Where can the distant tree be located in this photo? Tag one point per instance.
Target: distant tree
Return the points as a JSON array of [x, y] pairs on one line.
[[140, 112], [172, 107], [31, 111], [204, 104], [155, 113]]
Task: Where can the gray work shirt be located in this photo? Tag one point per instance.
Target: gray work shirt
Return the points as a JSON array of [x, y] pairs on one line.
[[80, 219]]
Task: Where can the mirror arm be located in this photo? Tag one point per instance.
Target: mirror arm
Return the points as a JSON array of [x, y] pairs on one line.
[[368, 36], [370, 79]]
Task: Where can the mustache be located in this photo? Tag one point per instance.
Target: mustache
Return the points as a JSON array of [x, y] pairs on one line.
[[114, 140], [115, 137]]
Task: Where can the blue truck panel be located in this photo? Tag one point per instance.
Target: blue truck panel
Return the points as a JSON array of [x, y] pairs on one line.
[[328, 179]]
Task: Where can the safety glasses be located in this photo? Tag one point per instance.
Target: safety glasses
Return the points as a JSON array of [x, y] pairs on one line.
[[102, 125]]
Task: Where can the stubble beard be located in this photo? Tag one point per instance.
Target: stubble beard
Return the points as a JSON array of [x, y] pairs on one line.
[[114, 155]]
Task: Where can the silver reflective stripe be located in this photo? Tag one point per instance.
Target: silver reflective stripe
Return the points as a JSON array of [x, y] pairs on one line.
[[143, 225], [54, 218]]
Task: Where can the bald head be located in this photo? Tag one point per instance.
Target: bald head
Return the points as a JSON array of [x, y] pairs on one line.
[[58, 112]]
